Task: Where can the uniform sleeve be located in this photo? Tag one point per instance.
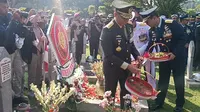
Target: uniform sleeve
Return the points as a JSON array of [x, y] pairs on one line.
[[2, 33], [107, 46], [9, 43], [143, 49], [197, 33], [179, 38], [134, 51], [190, 36], [150, 43]]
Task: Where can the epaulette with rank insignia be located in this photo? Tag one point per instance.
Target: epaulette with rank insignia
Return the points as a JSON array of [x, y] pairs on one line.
[[169, 21], [109, 25]]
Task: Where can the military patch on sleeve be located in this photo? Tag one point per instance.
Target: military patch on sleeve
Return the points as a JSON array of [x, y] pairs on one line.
[[109, 25], [168, 21]]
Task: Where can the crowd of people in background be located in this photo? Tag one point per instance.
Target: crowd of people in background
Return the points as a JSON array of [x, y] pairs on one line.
[[23, 34]]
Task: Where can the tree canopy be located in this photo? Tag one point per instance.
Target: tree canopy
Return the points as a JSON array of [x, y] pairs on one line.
[[166, 7]]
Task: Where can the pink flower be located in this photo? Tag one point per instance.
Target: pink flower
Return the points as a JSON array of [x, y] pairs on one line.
[[136, 107], [107, 94], [104, 103]]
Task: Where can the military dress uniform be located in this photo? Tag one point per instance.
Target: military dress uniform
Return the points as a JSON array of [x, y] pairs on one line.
[[4, 21], [192, 26], [170, 33], [197, 45], [140, 39], [188, 33], [117, 50]]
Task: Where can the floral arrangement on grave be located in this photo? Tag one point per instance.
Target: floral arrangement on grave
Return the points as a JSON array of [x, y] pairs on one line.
[[97, 68], [51, 98], [129, 103], [84, 90], [108, 102]]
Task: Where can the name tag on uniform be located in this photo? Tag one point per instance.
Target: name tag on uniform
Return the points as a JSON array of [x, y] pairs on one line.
[[119, 40]]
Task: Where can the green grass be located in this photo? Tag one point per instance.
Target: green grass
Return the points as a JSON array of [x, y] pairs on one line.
[[192, 99]]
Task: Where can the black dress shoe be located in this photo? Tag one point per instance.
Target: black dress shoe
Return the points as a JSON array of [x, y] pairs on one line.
[[178, 109]]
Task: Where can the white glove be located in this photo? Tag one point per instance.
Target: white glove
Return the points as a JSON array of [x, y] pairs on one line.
[[19, 41]]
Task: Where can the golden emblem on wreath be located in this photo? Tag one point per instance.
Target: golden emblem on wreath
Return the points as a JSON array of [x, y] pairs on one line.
[[61, 40]]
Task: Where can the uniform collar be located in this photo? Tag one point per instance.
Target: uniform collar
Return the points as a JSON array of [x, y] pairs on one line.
[[182, 25], [118, 24], [160, 23]]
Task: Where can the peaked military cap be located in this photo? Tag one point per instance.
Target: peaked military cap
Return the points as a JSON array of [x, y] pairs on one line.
[[24, 14], [3, 1], [146, 14], [123, 8], [193, 16], [110, 16], [138, 9], [198, 15], [185, 16], [174, 15]]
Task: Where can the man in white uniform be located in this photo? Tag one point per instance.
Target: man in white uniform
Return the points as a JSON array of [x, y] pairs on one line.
[[140, 39]]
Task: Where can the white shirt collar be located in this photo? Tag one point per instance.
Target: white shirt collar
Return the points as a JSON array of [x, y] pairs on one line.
[[182, 25], [159, 25]]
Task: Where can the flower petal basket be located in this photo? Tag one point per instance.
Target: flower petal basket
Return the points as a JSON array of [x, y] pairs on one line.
[[140, 88], [158, 56]]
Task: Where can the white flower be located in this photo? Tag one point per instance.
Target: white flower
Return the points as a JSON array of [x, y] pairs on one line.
[[127, 97], [107, 94]]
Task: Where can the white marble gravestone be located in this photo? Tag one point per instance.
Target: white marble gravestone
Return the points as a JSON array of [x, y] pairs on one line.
[[5, 81], [189, 78]]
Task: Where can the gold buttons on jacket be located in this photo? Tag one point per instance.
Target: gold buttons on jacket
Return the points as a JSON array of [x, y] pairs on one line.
[[118, 49]]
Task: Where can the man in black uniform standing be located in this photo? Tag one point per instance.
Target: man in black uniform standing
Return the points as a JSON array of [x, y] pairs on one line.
[[192, 26], [197, 45], [117, 49], [170, 33], [4, 20], [184, 19]]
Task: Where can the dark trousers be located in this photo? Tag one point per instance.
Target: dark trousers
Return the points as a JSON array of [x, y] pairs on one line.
[[79, 51], [111, 82], [186, 54], [177, 67], [94, 47]]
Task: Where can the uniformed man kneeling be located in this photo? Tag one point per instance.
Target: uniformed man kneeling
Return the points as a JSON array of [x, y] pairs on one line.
[[117, 49]]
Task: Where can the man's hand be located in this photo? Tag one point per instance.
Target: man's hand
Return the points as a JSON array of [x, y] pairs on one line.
[[140, 59], [171, 56], [133, 69], [186, 45]]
